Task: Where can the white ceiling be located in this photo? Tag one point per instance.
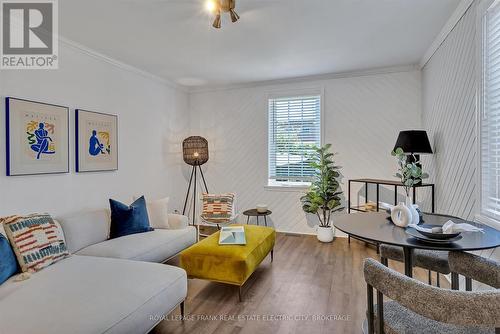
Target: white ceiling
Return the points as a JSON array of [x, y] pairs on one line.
[[274, 39]]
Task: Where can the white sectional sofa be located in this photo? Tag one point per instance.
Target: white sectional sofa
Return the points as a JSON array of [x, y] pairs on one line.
[[105, 286]]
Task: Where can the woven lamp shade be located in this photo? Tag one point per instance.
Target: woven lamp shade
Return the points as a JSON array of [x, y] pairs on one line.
[[195, 150]]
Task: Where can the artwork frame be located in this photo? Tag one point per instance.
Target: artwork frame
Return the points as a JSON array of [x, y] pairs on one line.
[[37, 137], [92, 128]]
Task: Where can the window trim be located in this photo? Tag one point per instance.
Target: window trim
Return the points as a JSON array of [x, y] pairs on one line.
[[289, 93], [482, 8]]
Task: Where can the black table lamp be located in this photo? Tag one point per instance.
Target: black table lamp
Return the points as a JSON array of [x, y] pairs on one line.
[[194, 153], [413, 142]]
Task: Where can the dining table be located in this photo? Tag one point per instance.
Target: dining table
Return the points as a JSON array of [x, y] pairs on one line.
[[378, 228]]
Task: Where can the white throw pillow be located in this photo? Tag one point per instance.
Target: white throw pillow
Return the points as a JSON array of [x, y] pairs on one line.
[[158, 213]]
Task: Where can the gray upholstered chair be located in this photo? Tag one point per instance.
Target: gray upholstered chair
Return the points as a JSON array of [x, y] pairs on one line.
[[419, 308], [428, 259]]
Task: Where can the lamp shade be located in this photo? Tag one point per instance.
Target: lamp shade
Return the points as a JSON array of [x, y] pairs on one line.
[[195, 150], [413, 141]]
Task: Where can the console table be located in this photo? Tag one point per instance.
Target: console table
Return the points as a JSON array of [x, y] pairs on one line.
[[392, 183], [378, 183]]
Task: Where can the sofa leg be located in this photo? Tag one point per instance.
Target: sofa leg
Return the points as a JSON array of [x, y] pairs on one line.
[[183, 309], [272, 255], [239, 294]]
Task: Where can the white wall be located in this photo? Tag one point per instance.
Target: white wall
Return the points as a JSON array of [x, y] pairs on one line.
[[152, 120], [362, 117], [449, 113]]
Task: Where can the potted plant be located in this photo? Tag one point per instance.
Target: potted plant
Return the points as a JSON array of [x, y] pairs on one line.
[[323, 196], [410, 174]]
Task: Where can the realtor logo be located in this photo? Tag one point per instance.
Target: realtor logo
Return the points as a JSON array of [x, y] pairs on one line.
[[29, 34]]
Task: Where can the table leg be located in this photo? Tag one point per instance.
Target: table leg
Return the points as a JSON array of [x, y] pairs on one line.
[[248, 218], [408, 261], [377, 196], [349, 196], [257, 217], [395, 195], [265, 220], [366, 194], [433, 203]]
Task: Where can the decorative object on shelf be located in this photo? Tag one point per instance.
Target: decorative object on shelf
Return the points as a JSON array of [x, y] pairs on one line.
[[195, 153], [261, 208], [410, 174], [221, 6], [96, 141], [323, 197], [413, 142], [401, 215], [37, 137]]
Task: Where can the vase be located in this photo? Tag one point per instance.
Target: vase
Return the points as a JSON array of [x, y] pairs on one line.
[[325, 234], [401, 215], [415, 217]]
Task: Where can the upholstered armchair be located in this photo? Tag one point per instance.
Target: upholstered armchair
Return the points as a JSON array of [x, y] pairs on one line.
[[420, 308]]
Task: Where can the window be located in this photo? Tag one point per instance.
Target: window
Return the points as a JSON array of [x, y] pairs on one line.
[[294, 129], [489, 113]]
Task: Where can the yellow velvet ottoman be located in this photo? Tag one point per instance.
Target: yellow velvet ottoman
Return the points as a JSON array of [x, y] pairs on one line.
[[231, 264]]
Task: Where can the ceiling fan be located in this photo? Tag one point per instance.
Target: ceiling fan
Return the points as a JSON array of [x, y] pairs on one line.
[[222, 6]]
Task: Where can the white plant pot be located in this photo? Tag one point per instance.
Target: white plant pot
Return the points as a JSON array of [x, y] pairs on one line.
[[401, 215], [325, 234], [415, 218]]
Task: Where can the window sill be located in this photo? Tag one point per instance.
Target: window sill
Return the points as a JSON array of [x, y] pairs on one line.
[[487, 221], [284, 187]]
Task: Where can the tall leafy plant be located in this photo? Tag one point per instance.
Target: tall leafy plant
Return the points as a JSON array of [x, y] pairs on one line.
[[323, 197], [408, 172]]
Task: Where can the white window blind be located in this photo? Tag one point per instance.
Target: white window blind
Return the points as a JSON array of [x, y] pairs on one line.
[[294, 129], [490, 115]]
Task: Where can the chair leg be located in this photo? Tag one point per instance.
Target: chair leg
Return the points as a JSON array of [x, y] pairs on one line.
[[468, 284], [384, 261], [380, 312], [454, 281], [429, 276], [183, 309], [369, 310], [437, 280]]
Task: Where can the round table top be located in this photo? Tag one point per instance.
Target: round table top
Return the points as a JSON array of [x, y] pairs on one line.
[[377, 227], [254, 212]]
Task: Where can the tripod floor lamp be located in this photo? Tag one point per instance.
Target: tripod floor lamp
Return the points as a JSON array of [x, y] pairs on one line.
[[195, 153]]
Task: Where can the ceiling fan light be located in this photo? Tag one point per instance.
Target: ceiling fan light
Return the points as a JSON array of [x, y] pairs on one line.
[[234, 16], [217, 22]]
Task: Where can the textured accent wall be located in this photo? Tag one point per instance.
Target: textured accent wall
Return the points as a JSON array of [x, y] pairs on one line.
[[362, 118], [449, 114]]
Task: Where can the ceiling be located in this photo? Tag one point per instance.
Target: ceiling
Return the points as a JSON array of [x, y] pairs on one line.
[[274, 39]]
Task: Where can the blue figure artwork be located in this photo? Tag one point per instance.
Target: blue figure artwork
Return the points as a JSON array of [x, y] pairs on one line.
[[42, 141], [95, 147]]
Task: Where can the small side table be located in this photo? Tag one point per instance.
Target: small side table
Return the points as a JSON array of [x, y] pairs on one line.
[[255, 213]]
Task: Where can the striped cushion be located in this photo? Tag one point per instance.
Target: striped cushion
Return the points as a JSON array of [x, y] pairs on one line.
[[37, 240], [218, 208]]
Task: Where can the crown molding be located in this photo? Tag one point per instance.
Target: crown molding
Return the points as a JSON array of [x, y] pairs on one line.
[[121, 65], [452, 22], [317, 77]]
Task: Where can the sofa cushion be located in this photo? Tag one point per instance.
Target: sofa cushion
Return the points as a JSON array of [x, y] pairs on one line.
[[85, 228], [158, 213], [36, 239], [8, 263], [129, 219], [154, 246], [83, 294]]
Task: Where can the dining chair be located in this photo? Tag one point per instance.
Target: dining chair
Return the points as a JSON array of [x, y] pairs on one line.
[[416, 307], [432, 260]]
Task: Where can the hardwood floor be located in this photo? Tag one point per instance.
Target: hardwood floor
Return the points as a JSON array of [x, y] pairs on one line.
[[309, 288]]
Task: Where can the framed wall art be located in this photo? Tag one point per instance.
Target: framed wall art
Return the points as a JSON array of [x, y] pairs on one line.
[[37, 137], [96, 141]]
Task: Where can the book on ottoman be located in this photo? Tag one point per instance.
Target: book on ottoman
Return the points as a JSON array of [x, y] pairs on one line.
[[232, 235]]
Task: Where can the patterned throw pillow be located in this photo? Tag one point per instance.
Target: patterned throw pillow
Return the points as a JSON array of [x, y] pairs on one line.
[[217, 208], [37, 240]]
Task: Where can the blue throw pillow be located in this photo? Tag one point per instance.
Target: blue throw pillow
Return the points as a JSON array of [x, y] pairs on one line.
[[127, 219], [8, 263]]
